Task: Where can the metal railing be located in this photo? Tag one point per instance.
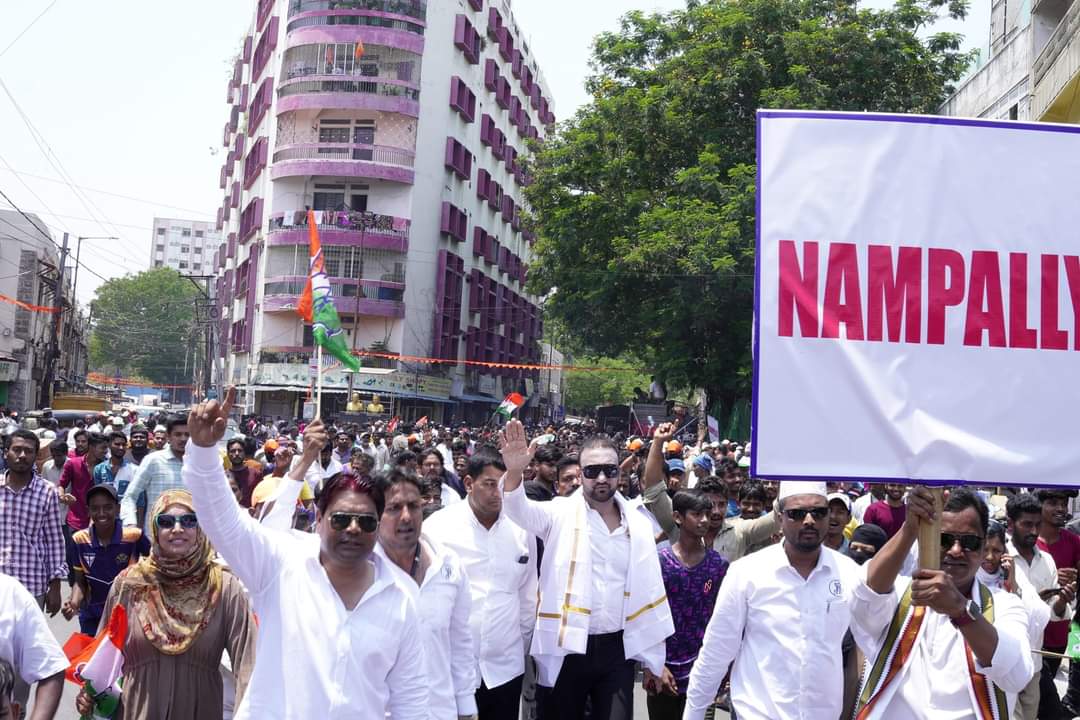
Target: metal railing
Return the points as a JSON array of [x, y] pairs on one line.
[[412, 8], [347, 152], [333, 84], [367, 290], [377, 21]]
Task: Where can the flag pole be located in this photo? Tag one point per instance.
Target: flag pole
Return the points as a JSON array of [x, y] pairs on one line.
[[318, 382]]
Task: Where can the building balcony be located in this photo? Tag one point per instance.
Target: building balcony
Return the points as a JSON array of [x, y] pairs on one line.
[[416, 9], [378, 15], [365, 230], [344, 160], [1055, 72], [351, 297], [304, 91]]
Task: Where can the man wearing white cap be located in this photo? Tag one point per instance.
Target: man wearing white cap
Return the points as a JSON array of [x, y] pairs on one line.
[[780, 617]]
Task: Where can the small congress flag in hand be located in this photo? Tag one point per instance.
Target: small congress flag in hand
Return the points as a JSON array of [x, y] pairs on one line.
[[99, 667], [512, 402], [317, 305]]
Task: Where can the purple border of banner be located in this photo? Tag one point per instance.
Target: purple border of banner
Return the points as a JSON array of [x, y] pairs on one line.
[[872, 117]]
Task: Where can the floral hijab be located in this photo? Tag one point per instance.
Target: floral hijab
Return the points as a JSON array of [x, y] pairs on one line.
[[175, 597]]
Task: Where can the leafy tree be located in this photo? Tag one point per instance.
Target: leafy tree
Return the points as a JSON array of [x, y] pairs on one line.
[[585, 389], [644, 200], [144, 324]]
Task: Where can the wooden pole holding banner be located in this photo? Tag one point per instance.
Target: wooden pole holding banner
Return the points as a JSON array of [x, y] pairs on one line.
[[318, 382], [930, 535]]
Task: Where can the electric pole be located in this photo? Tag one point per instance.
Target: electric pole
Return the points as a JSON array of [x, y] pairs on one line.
[[54, 352]]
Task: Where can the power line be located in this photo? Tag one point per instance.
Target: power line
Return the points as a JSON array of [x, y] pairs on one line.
[[27, 28]]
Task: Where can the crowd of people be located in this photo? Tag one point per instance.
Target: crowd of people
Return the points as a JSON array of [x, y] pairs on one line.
[[291, 570]]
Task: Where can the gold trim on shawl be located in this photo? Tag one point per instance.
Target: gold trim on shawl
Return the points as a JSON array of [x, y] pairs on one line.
[[650, 606]]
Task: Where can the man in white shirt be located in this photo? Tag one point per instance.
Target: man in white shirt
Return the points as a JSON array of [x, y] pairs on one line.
[[1039, 571], [602, 602], [500, 561], [337, 631], [780, 618], [941, 644], [434, 575], [27, 643]]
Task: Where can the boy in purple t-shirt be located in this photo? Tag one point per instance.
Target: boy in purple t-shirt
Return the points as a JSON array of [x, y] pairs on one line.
[[692, 575]]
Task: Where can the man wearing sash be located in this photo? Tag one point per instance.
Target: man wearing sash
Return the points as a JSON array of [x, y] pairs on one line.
[[602, 602], [943, 644]]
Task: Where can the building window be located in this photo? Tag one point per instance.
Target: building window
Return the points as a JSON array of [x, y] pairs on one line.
[[462, 98], [183, 265], [198, 251], [161, 231], [458, 158], [157, 263], [467, 39], [186, 232], [198, 233], [160, 247], [185, 249], [196, 266]]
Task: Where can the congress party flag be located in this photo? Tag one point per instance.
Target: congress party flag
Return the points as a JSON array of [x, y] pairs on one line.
[[512, 402], [99, 667], [316, 305], [917, 308]]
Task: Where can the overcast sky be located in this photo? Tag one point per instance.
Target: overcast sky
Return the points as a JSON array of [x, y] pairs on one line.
[[128, 97]]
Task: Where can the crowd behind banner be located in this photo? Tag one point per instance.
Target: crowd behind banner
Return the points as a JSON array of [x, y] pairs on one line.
[[235, 566]]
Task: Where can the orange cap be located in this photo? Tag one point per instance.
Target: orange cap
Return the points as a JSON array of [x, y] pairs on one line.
[[673, 446], [634, 445]]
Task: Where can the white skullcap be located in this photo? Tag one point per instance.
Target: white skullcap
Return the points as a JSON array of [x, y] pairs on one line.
[[802, 487]]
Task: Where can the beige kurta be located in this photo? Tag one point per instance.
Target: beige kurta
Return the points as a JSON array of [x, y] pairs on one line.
[[187, 686]]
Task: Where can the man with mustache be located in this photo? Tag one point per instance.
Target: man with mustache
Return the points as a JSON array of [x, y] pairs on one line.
[[939, 644], [780, 618], [1064, 547], [1039, 570]]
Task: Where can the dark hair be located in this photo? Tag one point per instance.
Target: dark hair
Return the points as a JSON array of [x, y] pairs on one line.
[[393, 477], [1024, 503], [403, 457], [753, 491], [423, 454], [96, 439], [75, 435], [365, 458], [58, 446], [997, 530], [343, 482], [690, 500], [485, 456], [727, 466], [962, 498], [117, 434], [251, 446], [549, 453], [234, 441], [140, 429], [600, 441], [1045, 494], [174, 421], [712, 486], [568, 461], [430, 484], [7, 682], [28, 435], [346, 433]]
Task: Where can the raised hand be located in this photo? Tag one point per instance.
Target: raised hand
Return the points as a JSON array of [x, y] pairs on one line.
[[315, 439], [207, 421], [664, 432], [516, 451]]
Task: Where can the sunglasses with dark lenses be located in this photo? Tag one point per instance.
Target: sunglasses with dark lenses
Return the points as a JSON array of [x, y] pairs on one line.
[[341, 521], [799, 514], [593, 471], [968, 543], [168, 522]]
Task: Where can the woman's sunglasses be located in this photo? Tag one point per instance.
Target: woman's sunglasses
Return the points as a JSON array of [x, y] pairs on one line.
[[168, 522], [341, 521]]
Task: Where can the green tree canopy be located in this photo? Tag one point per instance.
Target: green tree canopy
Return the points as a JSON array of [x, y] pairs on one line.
[[644, 200], [586, 389], [144, 324]]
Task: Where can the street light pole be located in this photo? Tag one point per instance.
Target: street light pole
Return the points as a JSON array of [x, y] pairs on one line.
[[75, 289]]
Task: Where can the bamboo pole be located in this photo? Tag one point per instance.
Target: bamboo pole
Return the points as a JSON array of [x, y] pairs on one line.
[[930, 535]]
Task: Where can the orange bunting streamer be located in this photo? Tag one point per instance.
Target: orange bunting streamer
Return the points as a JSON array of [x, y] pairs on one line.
[[28, 306]]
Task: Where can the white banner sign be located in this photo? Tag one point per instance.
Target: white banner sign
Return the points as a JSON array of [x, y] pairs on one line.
[[918, 299]]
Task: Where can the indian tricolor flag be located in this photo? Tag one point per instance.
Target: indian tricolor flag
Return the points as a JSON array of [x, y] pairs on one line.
[[99, 667], [512, 402], [316, 305]]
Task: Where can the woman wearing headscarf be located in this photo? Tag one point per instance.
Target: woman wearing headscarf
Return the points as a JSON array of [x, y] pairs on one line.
[[184, 610]]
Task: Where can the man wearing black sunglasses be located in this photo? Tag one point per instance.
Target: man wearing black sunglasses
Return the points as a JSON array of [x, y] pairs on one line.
[[602, 603], [940, 640], [780, 618]]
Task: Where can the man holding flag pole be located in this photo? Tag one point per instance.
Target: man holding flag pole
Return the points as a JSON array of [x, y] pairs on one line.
[[316, 306]]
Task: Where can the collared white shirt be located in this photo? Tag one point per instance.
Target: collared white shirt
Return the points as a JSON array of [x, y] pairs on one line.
[[783, 633], [935, 683], [444, 602], [315, 658], [25, 638], [501, 566], [1041, 574], [610, 568]]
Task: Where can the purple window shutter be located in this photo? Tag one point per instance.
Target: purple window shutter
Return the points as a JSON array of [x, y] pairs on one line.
[[249, 314]]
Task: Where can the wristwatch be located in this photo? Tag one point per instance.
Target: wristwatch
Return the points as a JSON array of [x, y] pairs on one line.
[[970, 615]]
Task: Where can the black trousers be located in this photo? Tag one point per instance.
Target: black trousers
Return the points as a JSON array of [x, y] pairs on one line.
[[602, 676], [1049, 702], [501, 703]]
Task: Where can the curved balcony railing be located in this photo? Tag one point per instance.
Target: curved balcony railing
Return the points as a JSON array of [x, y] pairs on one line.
[[346, 152], [371, 21], [344, 227], [383, 87], [410, 8]]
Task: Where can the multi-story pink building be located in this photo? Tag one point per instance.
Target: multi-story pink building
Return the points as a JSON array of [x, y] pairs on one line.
[[403, 125]]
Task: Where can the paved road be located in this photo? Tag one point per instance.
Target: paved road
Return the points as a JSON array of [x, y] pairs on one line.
[[62, 630]]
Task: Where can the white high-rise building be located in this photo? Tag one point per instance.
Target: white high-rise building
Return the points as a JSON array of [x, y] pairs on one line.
[[402, 124], [187, 246]]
